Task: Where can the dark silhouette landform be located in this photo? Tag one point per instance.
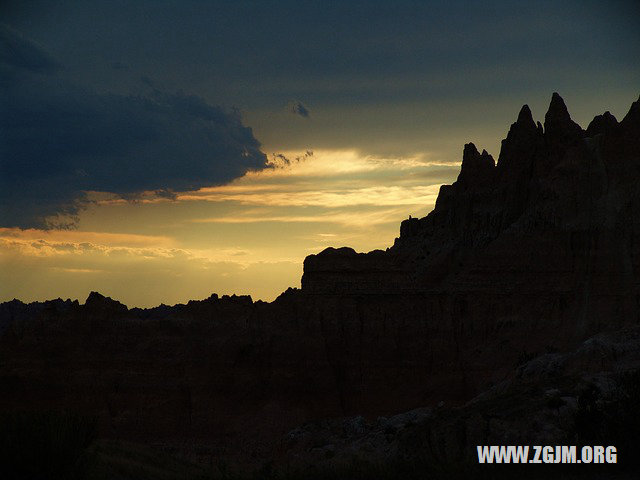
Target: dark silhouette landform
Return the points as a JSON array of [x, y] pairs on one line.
[[508, 315]]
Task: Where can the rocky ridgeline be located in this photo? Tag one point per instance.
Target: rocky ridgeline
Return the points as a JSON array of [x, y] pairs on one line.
[[557, 212], [520, 259]]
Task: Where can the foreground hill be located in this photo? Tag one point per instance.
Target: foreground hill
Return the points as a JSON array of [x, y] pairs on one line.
[[494, 293]]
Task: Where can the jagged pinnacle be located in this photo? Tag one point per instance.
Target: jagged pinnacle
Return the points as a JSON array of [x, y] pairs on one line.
[[525, 117], [557, 108], [558, 125]]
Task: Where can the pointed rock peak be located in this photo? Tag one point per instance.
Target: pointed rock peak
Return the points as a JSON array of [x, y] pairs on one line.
[[475, 167], [558, 126], [469, 151], [487, 157], [557, 108], [522, 130], [94, 297], [632, 118], [525, 117]]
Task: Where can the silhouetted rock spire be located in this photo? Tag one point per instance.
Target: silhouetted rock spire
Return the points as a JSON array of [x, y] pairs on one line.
[[476, 167], [632, 118], [557, 109], [525, 118], [520, 144], [558, 126]]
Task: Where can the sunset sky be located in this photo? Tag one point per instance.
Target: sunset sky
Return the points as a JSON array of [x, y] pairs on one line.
[[161, 151]]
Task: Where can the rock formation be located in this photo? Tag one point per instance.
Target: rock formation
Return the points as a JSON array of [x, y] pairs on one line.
[[556, 217], [520, 258]]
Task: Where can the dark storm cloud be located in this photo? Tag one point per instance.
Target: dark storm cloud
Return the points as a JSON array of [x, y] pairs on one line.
[[298, 108], [59, 140], [18, 52], [382, 77], [260, 54], [386, 78]]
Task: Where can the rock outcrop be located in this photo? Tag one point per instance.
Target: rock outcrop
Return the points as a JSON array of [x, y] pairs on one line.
[[585, 396], [557, 215]]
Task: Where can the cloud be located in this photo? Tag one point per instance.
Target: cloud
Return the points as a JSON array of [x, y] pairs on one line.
[[60, 140], [48, 268], [84, 237], [331, 198], [347, 218], [280, 160], [19, 53], [298, 108]]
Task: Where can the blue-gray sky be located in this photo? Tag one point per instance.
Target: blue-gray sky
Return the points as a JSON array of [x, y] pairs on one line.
[[105, 102]]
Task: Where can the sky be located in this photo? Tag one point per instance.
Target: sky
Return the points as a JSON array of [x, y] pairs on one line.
[[162, 151]]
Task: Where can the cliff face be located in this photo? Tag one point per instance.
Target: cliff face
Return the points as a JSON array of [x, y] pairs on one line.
[[528, 256]]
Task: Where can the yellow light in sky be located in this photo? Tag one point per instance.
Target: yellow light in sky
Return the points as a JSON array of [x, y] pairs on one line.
[[248, 237]]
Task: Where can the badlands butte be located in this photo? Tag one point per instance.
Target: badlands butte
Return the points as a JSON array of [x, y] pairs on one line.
[[508, 315]]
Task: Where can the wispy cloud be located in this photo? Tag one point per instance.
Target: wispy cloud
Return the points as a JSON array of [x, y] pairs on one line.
[[378, 196], [82, 237], [329, 180], [298, 108], [352, 218], [38, 269], [47, 248], [78, 270]]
